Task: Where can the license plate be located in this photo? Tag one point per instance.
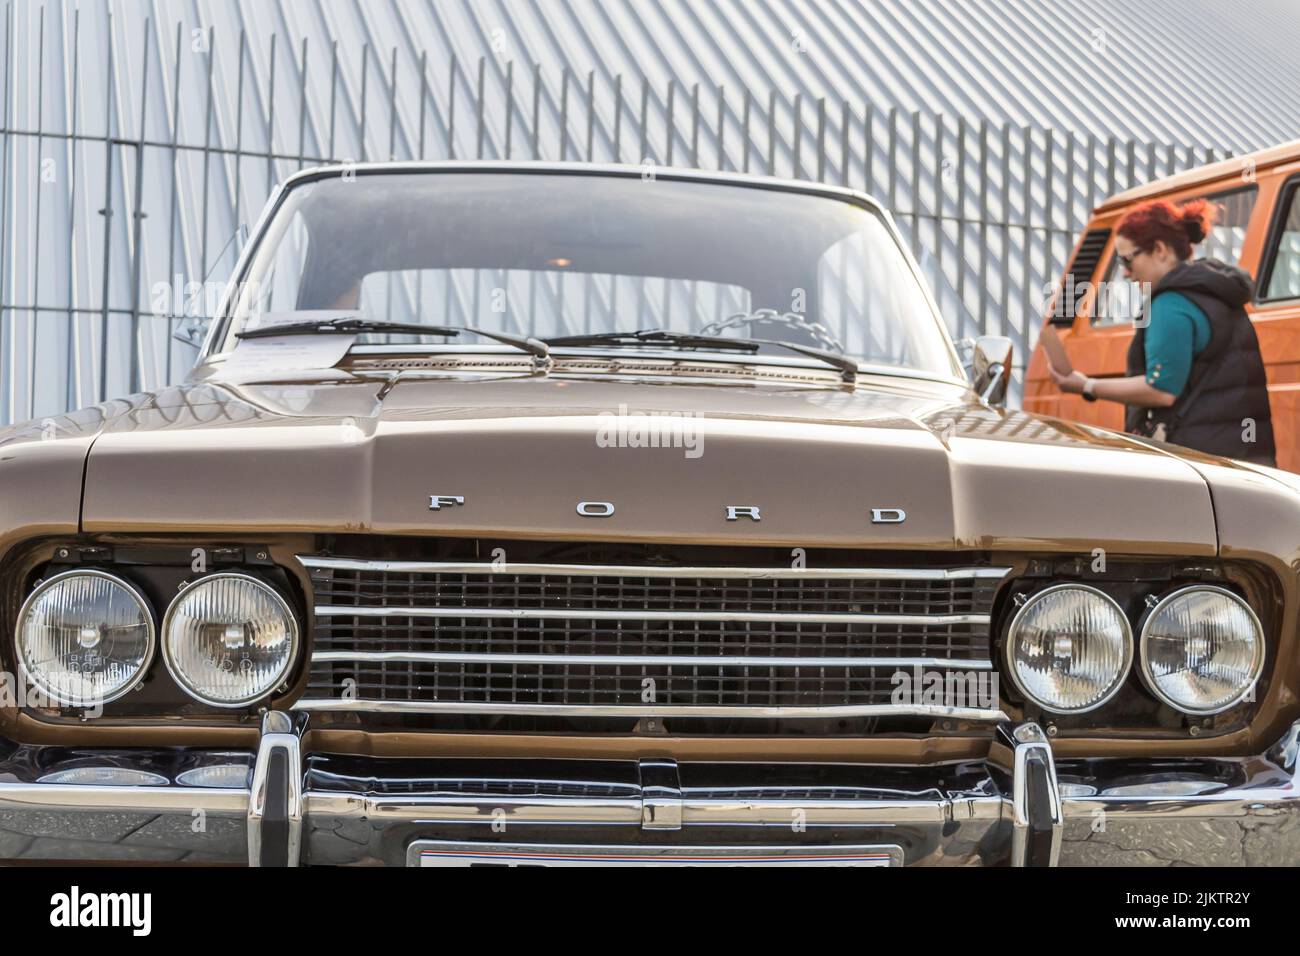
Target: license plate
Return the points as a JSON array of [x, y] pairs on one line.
[[439, 853]]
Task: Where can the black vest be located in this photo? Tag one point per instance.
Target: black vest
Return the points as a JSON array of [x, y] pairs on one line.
[[1225, 402]]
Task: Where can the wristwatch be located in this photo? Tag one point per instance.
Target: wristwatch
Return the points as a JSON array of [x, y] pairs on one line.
[[1087, 393]]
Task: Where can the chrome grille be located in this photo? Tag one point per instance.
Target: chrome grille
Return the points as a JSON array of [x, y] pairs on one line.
[[605, 640]]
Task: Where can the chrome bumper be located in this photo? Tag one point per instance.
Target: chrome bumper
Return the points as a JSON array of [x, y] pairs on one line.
[[1018, 807]]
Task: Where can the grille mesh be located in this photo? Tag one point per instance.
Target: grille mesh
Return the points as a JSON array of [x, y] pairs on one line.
[[350, 630], [384, 588]]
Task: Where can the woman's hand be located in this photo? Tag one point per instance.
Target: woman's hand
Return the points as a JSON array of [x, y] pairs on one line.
[[1072, 383], [1132, 390]]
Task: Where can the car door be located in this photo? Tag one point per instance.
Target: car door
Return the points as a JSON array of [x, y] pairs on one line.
[[1276, 313]]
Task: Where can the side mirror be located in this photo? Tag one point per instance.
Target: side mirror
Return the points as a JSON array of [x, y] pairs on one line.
[[991, 368], [193, 330]]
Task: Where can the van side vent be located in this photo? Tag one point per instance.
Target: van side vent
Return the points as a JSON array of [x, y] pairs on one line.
[[1080, 273]]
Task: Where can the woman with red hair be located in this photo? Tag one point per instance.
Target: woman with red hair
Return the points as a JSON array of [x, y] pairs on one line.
[[1195, 375]]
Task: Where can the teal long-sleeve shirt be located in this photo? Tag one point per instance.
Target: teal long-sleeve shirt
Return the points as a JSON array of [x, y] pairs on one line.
[[1179, 331]]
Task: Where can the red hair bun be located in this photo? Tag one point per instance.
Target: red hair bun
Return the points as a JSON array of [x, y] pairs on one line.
[[1179, 226]]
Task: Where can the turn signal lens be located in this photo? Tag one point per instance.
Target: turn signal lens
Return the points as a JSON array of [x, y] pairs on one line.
[[1069, 648], [105, 777], [229, 639], [223, 776], [1202, 650]]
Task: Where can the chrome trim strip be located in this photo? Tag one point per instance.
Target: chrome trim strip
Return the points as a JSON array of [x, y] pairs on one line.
[[399, 809], [431, 657], [425, 809], [779, 813], [589, 614], [91, 797], [642, 710], [619, 570], [586, 855]]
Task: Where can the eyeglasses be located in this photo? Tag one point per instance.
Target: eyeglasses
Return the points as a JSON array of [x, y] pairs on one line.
[[1127, 261]]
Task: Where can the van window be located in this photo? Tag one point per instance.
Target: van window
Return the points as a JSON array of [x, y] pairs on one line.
[[1282, 261], [1118, 301]]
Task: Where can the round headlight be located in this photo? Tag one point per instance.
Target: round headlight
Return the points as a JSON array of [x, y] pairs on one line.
[[85, 637], [229, 639], [1069, 648], [1202, 650]]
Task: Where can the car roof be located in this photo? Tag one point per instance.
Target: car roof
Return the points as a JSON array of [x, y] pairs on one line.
[[626, 170], [1274, 155]]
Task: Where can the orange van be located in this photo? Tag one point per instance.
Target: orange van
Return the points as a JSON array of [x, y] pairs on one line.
[[1258, 228]]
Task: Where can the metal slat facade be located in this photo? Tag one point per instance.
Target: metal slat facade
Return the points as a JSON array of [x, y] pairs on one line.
[[137, 135]]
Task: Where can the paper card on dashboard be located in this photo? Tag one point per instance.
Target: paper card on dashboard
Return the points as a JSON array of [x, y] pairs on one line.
[[287, 352]]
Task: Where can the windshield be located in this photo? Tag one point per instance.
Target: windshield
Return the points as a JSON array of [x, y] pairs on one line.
[[551, 255]]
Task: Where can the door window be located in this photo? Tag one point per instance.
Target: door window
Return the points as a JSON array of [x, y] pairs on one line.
[[1281, 276]]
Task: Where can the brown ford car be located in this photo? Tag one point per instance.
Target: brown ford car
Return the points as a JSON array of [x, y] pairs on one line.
[[556, 514]]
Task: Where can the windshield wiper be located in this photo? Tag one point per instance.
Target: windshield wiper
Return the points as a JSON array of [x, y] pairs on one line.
[[848, 368], [534, 347], [683, 340]]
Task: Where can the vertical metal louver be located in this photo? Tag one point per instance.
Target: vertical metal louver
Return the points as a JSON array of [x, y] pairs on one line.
[[1079, 275]]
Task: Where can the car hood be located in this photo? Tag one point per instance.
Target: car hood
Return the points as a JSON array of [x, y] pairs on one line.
[[816, 462]]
